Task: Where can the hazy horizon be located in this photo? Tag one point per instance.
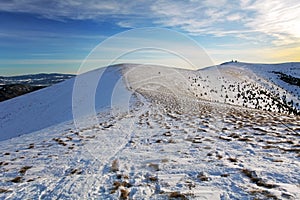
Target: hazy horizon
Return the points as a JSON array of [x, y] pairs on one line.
[[66, 73]]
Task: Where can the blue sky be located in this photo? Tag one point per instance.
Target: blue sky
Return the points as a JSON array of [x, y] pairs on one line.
[[56, 36]]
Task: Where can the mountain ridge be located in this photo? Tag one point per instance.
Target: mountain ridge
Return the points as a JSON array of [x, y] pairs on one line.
[[216, 84]]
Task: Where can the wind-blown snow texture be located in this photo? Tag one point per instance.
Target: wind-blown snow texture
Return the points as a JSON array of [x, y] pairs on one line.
[[188, 134]]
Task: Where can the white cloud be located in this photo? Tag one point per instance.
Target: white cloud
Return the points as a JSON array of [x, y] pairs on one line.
[[234, 17], [71, 9], [279, 19], [125, 24], [215, 3]]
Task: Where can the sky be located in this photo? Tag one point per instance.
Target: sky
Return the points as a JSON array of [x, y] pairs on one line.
[[57, 36]]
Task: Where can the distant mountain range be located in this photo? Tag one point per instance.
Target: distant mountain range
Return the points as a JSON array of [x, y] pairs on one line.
[[35, 79], [13, 86]]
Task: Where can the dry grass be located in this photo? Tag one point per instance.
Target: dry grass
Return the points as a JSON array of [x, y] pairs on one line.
[[75, 171], [233, 159], [4, 190], [255, 179], [117, 185], [60, 141], [277, 160], [225, 175], [115, 165], [295, 150], [234, 135], [18, 179], [154, 166], [224, 138], [245, 139], [24, 169], [69, 138], [177, 195], [196, 140], [171, 141], [153, 178], [203, 177], [262, 194], [124, 194], [3, 163], [167, 134], [268, 147]]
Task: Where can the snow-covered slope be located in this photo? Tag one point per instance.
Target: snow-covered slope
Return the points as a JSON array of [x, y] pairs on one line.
[[249, 85], [274, 88], [53, 105], [172, 142]]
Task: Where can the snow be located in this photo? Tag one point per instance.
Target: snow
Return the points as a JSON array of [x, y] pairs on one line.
[[53, 105], [165, 143], [248, 85]]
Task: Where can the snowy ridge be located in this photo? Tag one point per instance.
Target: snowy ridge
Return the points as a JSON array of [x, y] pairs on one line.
[[172, 143], [240, 84]]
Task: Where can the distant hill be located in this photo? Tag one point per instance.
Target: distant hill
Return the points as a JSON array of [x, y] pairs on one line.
[[35, 79], [13, 86]]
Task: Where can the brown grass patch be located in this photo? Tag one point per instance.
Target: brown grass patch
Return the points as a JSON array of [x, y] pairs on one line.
[[18, 179], [224, 138], [262, 194], [124, 194], [153, 178], [225, 175], [117, 185], [245, 139], [115, 165], [203, 177], [75, 171], [154, 166], [60, 141], [177, 195], [4, 190], [24, 169], [167, 134], [234, 135], [255, 179], [268, 147], [233, 159]]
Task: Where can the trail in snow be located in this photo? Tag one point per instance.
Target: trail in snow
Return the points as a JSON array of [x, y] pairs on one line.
[[196, 154]]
